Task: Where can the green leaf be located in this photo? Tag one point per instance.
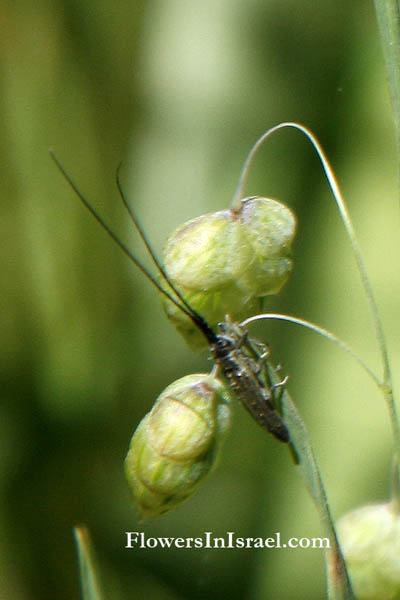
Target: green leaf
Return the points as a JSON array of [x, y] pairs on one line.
[[89, 580]]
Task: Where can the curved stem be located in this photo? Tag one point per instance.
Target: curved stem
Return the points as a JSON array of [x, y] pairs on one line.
[[388, 15], [321, 331], [333, 184]]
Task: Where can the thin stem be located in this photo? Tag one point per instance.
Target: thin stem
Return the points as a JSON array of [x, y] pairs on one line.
[[395, 486], [91, 588], [333, 184], [394, 418], [339, 586], [388, 16], [321, 331]]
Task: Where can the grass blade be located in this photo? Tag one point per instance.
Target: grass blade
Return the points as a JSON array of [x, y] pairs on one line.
[[388, 15], [339, 586], [89, 579]]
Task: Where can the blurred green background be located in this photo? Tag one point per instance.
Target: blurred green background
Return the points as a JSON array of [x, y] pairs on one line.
[[179, 91]]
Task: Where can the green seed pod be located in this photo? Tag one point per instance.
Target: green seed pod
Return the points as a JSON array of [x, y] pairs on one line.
[[205, 258], [370, 540], [207, 252], [224, 262], [270, 227], [177, 444]]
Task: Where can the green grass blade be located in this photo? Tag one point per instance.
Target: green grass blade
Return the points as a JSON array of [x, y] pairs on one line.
[[89, 579], [339, 587], [388, 15]]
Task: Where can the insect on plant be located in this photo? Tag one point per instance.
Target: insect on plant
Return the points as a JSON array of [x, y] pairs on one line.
[[237, 358], [177, 443]]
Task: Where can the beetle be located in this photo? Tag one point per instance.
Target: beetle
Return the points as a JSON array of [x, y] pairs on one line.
[[232, 351]]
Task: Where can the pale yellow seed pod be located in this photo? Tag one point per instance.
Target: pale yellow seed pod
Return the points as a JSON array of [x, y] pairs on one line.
[[270, 227], [205, 258], [177, 444], [207, 252], [225, 262], [370, 540]]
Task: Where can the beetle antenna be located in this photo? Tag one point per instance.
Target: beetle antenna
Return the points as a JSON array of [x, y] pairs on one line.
[[149, 248], [186, 308]]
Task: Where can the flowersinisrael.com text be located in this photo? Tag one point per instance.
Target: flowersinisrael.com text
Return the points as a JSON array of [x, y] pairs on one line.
[[138, 539]]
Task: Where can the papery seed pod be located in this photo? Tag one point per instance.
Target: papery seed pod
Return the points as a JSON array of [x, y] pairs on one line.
[[370, 540], [207, 252], [224, 262], [270, 227], [205, 258], [177, 444]]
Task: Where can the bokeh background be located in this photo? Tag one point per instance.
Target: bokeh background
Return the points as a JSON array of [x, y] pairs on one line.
[[179, 91]]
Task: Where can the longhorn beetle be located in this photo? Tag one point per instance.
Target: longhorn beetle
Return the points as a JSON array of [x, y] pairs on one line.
[[228, 348]]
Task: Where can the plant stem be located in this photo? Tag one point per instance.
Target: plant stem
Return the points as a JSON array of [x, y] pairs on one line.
[[388, 16], [339, 585], [91, 589], [395, 502], [333, 184], [321, 331]]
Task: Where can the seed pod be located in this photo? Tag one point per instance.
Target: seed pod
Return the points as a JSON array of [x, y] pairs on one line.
[[370, 540], [224, 262], [205, 258], [177, 444], [207, 252], [270, 227]]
